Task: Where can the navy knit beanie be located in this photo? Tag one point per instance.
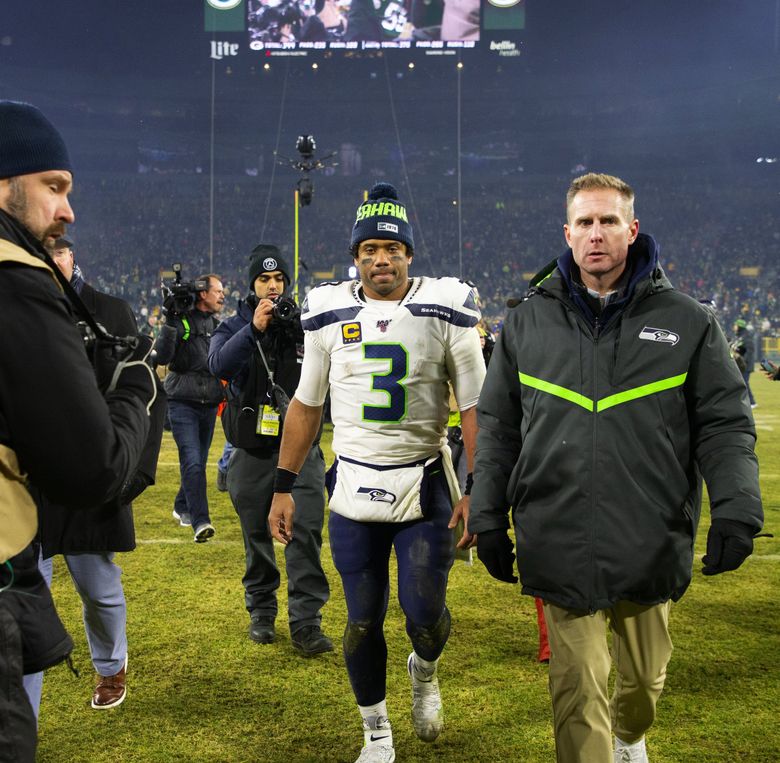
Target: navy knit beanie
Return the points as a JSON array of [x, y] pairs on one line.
[[29, 142], [382, 217], [266, 259]]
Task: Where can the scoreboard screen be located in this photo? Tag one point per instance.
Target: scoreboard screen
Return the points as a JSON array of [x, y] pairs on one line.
[[295, 27]]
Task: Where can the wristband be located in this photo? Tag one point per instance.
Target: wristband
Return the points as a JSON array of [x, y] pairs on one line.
[[469, 484], [284, 480]]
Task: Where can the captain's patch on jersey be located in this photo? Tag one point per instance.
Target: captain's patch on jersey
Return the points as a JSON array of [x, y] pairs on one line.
[[351, 333]]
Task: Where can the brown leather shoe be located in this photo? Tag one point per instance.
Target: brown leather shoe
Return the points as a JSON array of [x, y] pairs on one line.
[[110, 690]]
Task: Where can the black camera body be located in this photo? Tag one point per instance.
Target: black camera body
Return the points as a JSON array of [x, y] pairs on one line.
[[285, 309], [179, 296]]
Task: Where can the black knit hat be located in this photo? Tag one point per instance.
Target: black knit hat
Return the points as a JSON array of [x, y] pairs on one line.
[[266, 259], [29, 142], [382, 217]]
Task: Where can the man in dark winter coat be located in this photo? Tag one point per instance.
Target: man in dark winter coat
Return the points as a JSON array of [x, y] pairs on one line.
[[88, 538], [253, 423], [194, 394], [743, 348], [79, 454], [608, 395]]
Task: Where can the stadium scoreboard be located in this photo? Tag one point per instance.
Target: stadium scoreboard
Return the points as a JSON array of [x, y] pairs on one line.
[[303, 27]]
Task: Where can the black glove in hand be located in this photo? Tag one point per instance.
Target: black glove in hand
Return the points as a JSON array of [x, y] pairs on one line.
[[729, 543], [135, 372], [169, 306], [494, 550], [135, 485]]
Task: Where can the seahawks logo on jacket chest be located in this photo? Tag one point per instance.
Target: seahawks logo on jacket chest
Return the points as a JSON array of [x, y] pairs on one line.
[[664, 336]]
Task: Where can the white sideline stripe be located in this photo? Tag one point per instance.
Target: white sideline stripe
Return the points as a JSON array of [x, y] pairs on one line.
[[189, 542]]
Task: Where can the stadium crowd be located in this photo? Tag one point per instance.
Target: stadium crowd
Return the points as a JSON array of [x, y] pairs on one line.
[[129, 232]]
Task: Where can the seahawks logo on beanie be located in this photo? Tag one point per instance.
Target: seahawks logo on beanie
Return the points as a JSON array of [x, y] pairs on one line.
[[382, 216]]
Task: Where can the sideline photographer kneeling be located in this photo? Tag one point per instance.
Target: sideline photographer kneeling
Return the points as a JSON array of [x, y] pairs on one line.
[[259, 351]]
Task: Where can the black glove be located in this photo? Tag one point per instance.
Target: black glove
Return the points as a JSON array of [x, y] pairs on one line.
[[134, 372], [133, 487], [170, 306], [729, 543], [494, 550]]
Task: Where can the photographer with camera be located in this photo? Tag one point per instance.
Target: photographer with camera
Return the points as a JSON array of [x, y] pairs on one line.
[[88, 538], [259, 351], [79, 452], [193, 392]]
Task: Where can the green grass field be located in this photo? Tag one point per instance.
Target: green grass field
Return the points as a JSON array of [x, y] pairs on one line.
[[199, 690]]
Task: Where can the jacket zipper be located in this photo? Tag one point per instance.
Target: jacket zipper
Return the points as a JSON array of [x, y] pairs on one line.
[[593, 507]]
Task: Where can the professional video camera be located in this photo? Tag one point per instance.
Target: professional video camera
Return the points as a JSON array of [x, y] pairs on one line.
[[105, 350], [179, 296]]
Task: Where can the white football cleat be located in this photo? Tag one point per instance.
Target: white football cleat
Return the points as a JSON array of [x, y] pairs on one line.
[[427, 711]]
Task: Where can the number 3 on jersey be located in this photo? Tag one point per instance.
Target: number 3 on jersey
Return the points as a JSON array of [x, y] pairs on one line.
[[389, 382]]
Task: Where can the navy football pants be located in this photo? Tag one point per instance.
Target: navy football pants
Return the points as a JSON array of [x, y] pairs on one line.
[[425, 551]]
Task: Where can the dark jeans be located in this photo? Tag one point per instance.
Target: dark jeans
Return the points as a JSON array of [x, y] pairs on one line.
[[192, 425], [250, 480], [425, 550]]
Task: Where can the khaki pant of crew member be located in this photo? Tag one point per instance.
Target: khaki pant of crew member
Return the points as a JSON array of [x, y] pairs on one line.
[[585, 718]]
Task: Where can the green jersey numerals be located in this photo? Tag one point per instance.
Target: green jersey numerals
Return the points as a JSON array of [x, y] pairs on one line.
[[389, 382]]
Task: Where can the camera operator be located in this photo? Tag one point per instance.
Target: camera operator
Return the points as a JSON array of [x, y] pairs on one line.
[[259, 351], [88, 538], [58, 432], [193, 392]]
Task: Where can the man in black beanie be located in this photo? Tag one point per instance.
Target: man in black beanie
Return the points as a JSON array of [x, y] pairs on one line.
[[78, 455], [259, 351]]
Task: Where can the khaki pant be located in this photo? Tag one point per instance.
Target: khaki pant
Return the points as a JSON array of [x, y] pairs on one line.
[[585, 718]]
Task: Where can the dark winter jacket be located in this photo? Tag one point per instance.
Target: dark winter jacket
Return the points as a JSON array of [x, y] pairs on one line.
[[744, 348], [183, 345], [74, 444], [596, 429], [234, 356], [110, 526]]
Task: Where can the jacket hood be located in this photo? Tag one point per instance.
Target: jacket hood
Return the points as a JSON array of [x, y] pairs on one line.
[[559, 276]]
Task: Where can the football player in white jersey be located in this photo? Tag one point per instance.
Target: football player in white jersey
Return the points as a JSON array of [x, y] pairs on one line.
[[388, 346]]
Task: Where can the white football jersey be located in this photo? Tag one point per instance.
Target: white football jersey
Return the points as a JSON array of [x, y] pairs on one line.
[[388, 364]]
